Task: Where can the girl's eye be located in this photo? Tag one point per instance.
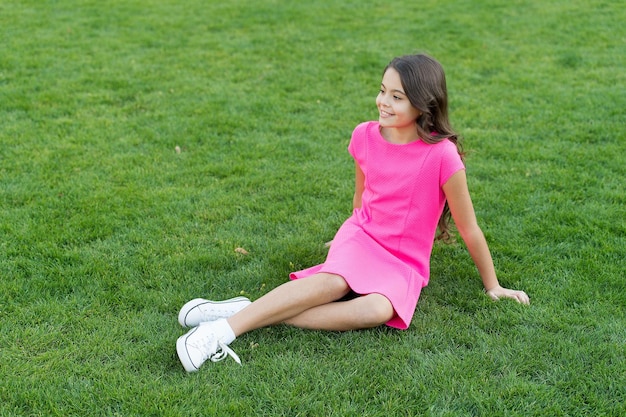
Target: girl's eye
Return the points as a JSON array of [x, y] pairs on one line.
[[381, 91], [397, 98]]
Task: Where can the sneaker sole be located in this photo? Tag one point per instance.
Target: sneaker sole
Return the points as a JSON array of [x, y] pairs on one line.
[[190, 305]]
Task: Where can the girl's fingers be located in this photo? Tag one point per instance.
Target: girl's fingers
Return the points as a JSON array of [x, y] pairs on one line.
[[522, 297], [519, 296]]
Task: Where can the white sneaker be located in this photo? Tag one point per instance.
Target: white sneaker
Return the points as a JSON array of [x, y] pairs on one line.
[[207, 341], [200, 310]]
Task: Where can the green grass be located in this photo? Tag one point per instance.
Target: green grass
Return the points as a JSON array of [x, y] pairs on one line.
[[106, 231]]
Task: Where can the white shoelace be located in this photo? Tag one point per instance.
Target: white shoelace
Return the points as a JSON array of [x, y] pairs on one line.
[[210, 313], [224, 351]]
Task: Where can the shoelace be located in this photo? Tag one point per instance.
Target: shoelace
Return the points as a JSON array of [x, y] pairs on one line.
[[209, 314], [224, 351]]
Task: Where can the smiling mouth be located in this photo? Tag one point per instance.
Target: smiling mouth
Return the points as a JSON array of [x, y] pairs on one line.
[[385, 114]]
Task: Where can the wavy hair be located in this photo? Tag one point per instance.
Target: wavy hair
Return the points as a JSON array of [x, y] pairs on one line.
[[424, 83]]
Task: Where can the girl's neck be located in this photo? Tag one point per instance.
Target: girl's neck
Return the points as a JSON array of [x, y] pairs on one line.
[[399, 136]]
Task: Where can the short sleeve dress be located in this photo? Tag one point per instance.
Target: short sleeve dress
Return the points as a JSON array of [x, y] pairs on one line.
[[385, 246]]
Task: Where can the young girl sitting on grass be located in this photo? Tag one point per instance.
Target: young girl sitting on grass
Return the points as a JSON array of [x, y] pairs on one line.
[[410, 178]]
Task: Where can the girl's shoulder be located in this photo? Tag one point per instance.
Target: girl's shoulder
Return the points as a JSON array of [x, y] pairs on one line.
[[444, 145], [365, 127], [448, 145], [365, 132], [361, 136]]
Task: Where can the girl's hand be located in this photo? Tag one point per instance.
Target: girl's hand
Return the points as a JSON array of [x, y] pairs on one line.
[[498, 292]]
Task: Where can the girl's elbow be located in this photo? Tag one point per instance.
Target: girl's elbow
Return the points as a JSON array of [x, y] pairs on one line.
[[470, 232]]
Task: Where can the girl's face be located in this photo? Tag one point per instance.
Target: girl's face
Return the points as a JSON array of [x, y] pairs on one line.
[[394, 108]]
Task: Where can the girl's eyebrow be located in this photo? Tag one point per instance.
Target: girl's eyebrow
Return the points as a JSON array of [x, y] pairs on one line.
[[396, 91]]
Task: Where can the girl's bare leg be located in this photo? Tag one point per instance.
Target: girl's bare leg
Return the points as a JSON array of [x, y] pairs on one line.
[[289, 300], [359, 313]]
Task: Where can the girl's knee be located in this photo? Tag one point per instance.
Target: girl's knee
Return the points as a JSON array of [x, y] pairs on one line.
[[334, 283], [377, 310]]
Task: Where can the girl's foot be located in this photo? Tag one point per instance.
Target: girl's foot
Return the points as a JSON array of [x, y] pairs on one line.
[[200, 310], [207, 341]]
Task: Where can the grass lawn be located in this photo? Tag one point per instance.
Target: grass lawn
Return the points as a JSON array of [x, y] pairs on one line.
[[106, 229]]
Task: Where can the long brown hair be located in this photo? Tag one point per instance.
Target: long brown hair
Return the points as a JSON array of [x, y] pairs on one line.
[[424, 83]]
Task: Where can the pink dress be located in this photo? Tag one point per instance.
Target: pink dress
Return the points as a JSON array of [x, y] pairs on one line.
[[385, 246]]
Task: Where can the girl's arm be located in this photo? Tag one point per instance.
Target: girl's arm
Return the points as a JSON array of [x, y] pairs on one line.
[[462, 211], [359, 184]]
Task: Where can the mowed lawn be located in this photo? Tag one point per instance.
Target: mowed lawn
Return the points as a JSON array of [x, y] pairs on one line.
[[142, 143]]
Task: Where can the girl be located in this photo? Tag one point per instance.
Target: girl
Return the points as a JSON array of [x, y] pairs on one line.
[[410, 179]]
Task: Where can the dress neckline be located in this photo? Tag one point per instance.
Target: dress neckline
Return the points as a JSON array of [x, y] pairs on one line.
[[380, 136]]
